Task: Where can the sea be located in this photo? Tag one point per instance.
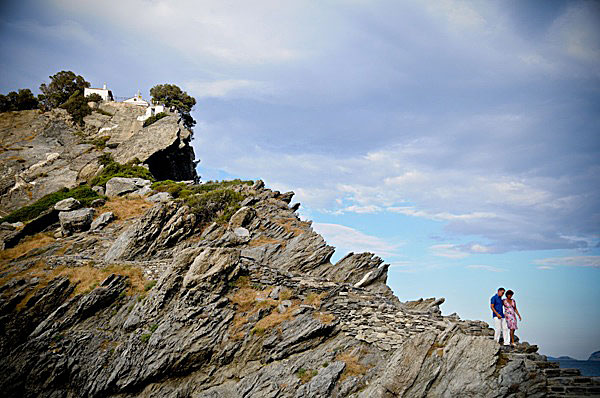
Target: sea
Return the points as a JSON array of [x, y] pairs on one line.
[[587, 368]]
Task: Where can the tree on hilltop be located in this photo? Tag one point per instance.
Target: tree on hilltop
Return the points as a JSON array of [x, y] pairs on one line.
[[77, 106], [172, 95], [61, 87], [18, 101]]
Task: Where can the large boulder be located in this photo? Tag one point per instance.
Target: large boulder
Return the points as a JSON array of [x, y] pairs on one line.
[[118, 186], [242, 217], [76, 220], [67, 204], [102, 221]]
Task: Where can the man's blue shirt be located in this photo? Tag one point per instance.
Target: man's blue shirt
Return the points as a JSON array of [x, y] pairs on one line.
[[497, 302]]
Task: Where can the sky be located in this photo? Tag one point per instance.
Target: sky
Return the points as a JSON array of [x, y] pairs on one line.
[[457, 140]]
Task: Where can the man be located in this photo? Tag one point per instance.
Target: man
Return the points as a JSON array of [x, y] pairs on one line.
[[499, 320]]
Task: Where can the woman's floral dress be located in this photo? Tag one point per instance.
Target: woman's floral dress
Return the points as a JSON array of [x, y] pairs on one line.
[[510, 315]]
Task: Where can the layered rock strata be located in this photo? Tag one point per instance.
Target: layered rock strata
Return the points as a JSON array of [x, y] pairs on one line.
[[252, 308], [41, 153]]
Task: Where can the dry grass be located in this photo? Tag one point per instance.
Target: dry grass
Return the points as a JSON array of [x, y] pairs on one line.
[[292, 225], [285, 294], [324, 317], [17, 158], [126, 208], [274, 319], [314, 299], [36, 241], [306, 375], [85, 277], [88, 277], [353, 365], [248, 302], [264, 240], [437, 348], [246, 305]]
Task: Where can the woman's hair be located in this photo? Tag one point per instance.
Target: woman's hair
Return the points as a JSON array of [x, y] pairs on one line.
[[509, 293]]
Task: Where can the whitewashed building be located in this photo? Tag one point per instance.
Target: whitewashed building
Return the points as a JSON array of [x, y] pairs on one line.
[[103, 92], [151, 111], [136, 100]]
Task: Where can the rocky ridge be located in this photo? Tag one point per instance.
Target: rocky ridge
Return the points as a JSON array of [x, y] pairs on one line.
[[42, 152], [248, 308]]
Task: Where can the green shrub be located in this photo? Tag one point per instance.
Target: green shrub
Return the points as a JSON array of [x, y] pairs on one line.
[[172, 187], [82, 193], [149, 285], [77, 106], [211, 201], [218, 205], [145, 337], [94, 97], [114, 169], [154, 327], [154, 118], [306, 375], [100, 142], [18, 101], [212, 185]]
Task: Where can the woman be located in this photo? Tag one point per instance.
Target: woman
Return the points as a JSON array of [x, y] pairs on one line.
[[510, 313]]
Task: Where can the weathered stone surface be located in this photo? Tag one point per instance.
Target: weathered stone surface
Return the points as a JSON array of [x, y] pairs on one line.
[[120, 186], [45, 152], [67, 205], [242, 217], [162, 226], [322, 384], [102, 221], [76, 220], [98, 202], [164, 146], [266, 315], [160, 197]]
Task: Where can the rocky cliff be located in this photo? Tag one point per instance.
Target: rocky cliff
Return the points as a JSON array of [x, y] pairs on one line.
[[43, 152], [221, 290]]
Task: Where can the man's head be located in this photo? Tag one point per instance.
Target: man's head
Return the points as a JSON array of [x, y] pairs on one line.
[[501, 292]]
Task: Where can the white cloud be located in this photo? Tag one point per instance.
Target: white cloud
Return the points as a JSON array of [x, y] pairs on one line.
[[544, 267], [444, 216], [231, 33], [348, 239], [574, 261], [486, 268], [370, 209], [67, 30], [228, 88], [448, 250]]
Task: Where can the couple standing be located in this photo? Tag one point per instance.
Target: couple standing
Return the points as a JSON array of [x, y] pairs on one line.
[[505, 316]]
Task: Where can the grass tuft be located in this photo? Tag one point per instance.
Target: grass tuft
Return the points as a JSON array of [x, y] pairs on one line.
[[113, 169], [305, 375], [353, 365], [154, 118], [82, 193]]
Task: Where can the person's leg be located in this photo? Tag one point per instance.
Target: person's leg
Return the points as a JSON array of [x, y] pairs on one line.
[[505, 333], [497, 329], [512, 336]]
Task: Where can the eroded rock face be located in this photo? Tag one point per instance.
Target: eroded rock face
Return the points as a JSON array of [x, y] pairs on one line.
[[44, 152], [256, 314], [76, 220], [118, 186]]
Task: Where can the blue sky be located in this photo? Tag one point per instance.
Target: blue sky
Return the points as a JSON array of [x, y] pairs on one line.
[[457, 140]]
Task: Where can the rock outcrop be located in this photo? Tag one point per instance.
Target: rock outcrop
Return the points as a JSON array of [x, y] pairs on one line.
[[44, 152], [251, 307]]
